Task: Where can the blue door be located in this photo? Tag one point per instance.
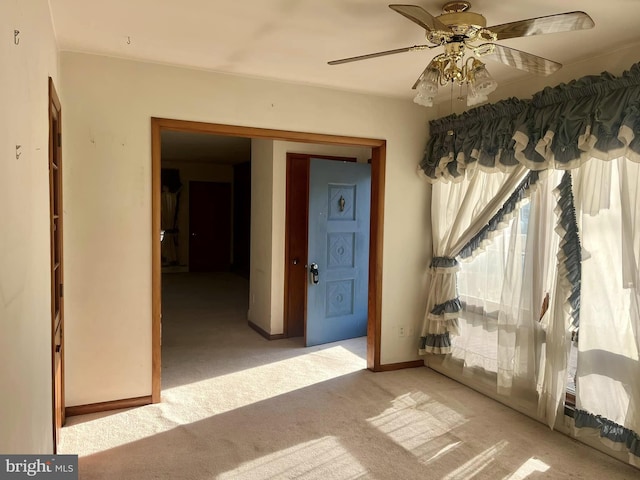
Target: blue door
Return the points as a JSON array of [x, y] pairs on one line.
[[338, 256]]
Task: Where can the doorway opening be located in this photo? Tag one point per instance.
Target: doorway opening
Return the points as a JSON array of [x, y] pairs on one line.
[[378, 157], [205, 202]]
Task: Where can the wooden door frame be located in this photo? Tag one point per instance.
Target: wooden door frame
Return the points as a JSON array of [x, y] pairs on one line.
[[378, 162], [56, 208]]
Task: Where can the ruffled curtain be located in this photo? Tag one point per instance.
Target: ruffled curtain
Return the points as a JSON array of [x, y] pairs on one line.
[[562, 127], [563, 317], [608, 374], [459, 211], [477, 139]]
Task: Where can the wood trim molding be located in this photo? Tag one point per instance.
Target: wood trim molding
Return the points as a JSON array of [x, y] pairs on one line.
[[309, 156], [106, 406], [378, 162], [56, 244], [156, 263], [374, 325], [389, 367], [266, 133], [264, 333]]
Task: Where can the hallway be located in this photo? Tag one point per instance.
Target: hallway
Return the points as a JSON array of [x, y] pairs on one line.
[[205, 332]]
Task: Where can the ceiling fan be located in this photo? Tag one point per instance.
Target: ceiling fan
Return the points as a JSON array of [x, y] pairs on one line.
[[461, 32]]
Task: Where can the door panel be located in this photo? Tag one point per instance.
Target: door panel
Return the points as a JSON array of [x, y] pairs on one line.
[[209, 226], [339, 210]]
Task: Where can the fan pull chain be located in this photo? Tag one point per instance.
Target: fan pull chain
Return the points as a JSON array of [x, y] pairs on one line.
[[451, 99]]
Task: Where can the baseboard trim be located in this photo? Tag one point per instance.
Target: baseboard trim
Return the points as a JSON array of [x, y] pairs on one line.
[[106, 406], [389, 367], [264, 333]]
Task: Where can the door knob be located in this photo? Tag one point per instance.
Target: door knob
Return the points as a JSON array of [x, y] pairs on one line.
[[315, 274]]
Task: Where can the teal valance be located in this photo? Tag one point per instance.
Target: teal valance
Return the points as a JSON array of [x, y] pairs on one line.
[[559, 127]]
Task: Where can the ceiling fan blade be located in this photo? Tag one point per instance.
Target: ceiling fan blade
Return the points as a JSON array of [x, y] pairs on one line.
[[420, 16], [562, 22], [380, 54], [521, 60]]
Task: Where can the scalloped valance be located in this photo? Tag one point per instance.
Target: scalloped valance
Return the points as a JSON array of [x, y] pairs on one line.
[[560, 127]]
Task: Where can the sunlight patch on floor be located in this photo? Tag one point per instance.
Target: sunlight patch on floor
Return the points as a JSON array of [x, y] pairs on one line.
[[320, 459], [238, 389], [531, 466], [420, 425], [206, 398], [473, 467]]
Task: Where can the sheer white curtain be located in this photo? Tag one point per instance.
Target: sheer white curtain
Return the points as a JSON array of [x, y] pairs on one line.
[[608, 372], [480, 283], [502, 290], [459, 210]]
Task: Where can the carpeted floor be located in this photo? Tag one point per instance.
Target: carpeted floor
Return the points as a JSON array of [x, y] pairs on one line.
[[236, 406]]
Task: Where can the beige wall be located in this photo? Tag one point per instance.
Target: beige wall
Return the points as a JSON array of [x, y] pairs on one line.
[[107, 120], [197, 171], [260, 284], [25, 278]]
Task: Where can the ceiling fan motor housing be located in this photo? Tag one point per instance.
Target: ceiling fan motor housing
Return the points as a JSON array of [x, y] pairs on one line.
[[463, 23]]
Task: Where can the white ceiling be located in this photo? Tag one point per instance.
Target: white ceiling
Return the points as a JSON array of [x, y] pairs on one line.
[[292, 40]]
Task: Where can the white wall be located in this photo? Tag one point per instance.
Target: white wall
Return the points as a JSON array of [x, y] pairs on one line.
[[108, 107], [25, 278]]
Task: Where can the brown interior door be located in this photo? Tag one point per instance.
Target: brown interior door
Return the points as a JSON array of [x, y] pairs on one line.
[[297, 204], [242, 218], [209, 226], [57, 300]]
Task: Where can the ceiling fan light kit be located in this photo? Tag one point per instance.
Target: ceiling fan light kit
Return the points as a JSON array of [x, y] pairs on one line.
[[458, 30]]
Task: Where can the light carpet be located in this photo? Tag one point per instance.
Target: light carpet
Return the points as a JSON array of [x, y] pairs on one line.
[[236, 406]]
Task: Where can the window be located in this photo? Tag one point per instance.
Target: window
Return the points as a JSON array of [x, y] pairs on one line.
[[481, 286]]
